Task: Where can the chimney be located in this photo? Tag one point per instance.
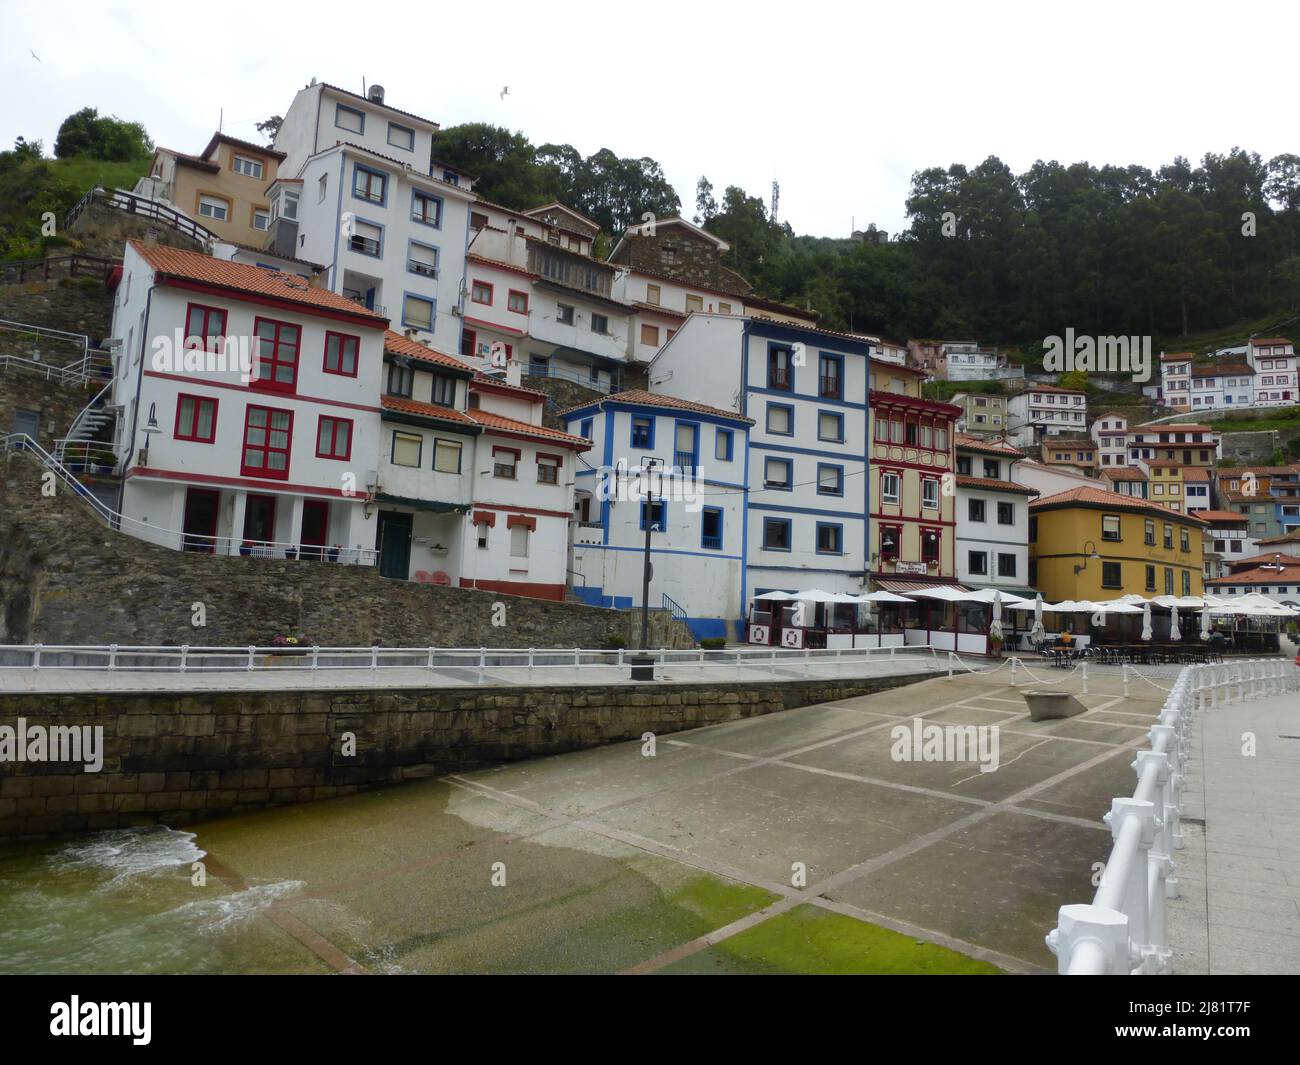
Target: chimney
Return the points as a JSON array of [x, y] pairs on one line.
[[514, 372]]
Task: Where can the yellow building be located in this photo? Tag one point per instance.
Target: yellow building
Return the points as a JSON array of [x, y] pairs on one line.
[[224, 189], [1088, 543], [1165, 483]]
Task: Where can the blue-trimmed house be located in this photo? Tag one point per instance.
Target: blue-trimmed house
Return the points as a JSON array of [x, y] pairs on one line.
[[698, 527]]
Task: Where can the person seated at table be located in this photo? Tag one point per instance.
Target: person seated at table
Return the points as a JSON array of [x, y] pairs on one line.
[[1066, 639]]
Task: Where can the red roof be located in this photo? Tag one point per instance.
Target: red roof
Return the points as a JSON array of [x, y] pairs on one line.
[[1054, 388], [1124, 473], [413, 349], [643, 398], [993, 447], [996, 486], [1288, 574], [501, 423], [1219, 517], [1270, 340], [175, 264], [1099, 497], [427, 410], [498, 385]]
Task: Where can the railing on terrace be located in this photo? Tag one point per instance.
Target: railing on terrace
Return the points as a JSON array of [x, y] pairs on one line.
[[178, 540], [90, 362], [560, 373], [525, 664], [673, 607], [130, 203], [1124, 930], [54, 267]]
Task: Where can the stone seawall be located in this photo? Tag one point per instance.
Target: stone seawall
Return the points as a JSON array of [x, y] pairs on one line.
[[177, 759]]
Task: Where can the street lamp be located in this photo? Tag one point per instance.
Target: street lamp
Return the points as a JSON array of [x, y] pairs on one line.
[[1087, 555], [643, 664]]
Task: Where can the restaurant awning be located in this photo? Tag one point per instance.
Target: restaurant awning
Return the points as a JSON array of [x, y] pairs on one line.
[[424, 504]]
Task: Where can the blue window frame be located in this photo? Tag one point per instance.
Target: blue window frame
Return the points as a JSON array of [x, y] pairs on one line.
[[411, 298], [780, 367], [451, 177], [683, 457], [711, 528], [776, 534], [724, 447], [787, 419], [830, 538], [830, 376], [421, 259], [400, 136], [660, 517], [643, 432], [585, 431], [830, 479], [426, 209], [369, 184], [830, 426], [778, 474], [356, 120]]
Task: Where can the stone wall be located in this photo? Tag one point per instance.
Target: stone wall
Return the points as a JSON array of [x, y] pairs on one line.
[[57, 402], [1250, 447], [73, 304], [179, 758], [66, 578], [675, 252]]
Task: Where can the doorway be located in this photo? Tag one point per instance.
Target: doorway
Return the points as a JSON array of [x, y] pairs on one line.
[[394, 536], [315, 526], [259, 519], [200, 526]]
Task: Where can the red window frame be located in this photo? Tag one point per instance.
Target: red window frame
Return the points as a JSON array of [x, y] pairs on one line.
[[212, 341], [473, 288], [468, 342], [265, 447], [511, 294], [335, 423], [267, 382], [938, 544], [344, 340], [191, 430], [897, 530]]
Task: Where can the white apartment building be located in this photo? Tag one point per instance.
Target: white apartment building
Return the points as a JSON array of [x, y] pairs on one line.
[[1110, 433], [697, 534], [214, 459], [992, 534], [1182, 442], [1274, 362], [1046, 410], [1176, 380], [358, 192], [1227, 386]]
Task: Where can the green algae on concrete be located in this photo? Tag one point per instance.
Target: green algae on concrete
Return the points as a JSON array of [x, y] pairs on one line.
[[815, 942]]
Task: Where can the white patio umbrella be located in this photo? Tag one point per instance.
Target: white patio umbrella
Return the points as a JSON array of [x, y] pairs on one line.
[[1205, 622], [1174, 628], [814, 595], [775, 597], [995, 629], [1037, 632], [885, 597], [1146, 621]]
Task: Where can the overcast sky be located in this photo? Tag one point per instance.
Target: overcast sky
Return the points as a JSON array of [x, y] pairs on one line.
[[839, 102]]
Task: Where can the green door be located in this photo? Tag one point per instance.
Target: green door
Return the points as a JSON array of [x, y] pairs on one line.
[[394, 544]]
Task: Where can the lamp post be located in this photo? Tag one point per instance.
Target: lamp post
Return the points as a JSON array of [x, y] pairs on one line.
[[1089, 551], [643, 664]]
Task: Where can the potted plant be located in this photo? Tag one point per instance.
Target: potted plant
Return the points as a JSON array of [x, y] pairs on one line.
[[287, 645], [995, 646], [246, 548], [291, 553], [333, 553]]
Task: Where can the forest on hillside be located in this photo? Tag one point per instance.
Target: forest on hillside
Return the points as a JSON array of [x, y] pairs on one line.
[[988, 254]]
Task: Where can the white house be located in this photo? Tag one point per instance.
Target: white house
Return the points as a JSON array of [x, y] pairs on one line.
[[697, 516], [359, 192], [1274, 362], [268, 457], [1110, 433], [992, 533], [1046, 410], [1176, 380]]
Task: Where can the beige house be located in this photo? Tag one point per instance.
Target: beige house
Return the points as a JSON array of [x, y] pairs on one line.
[[223, 189]]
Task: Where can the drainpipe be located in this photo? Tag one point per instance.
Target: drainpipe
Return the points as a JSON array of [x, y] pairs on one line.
[[139, 385]]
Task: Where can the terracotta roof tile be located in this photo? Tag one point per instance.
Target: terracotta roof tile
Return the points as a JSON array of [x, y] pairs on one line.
[[491, 421], [992, 447], [251, 280], [997, 486], [1288, 574], [1100, 497], [496, 383], [427, 410], [1220, 516], [1124, 473], [413, 349], [654, 399]]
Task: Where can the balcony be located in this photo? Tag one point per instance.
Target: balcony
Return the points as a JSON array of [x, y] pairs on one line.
[[712, 543], [415, 266], [365, 245], [830, 388], [778, 377], [685, 460]]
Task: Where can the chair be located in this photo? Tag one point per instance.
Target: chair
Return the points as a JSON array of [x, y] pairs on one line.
[[441, 579]]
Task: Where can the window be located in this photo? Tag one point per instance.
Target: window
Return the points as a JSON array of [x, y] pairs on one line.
[[694, 303], [426, 209], [367, 238], [724, 308], [830, 480], [778, 473], [1006, 564], [341, 353], [723, 445], [929, 493], [889, 538], [779, 374], [422, 259], [517, 302], [830, 539], [407, 449], [277, 355], [1187, 582], [482, 528], [650, 335], [1110, 575], [930, 546], [322, 187], [401, 379], [963, 465], [1184, 541], [288, 204], [205, 327], [1006, 513], [1169, 581], [196, 419], [214, 207], [975, 509], [977, 562], [652, 294], [599, 324], [830, 427], [267, 438], [349, 118], [1151, 578], [830, 383], [1169, 537], [993, 469], [333, 438], [564, 314], [444, 390], [548, 469], [658, 516], [401, 137], [519, 541], [643, 432], [891, 487], [780, 419], [1149, 533], [261, 219], [481, 292], [369, 184], [1110, 527], [446, 456], [711, 528], [776, 534], [418, 312], [504, 461], [248, 167]]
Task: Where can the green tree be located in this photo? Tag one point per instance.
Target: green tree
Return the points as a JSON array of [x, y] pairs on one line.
[[86, 132]]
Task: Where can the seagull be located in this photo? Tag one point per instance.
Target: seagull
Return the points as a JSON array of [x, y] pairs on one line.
[[505, 92], [35, 56]]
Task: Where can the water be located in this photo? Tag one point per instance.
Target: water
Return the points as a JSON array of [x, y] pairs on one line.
[[124, 902]]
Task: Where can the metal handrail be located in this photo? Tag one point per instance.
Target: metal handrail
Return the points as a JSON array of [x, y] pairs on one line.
[[61, 445], [1124, 931]]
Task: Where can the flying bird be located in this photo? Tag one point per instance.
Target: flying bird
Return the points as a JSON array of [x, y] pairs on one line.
[[35, 56], [505, 92]]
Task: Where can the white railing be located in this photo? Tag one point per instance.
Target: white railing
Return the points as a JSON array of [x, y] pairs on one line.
[[86, 422], [523, 664], [1123, 931], [179, 540]]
